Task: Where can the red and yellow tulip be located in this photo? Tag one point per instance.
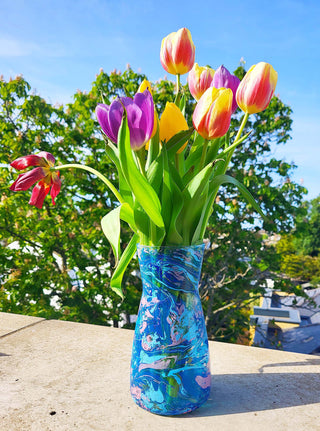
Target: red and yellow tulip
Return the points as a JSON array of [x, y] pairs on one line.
[[177, 52], [199, 80], [212, 115], [257, 88]]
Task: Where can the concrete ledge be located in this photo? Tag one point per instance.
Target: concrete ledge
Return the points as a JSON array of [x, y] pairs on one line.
[[14, 322], [63, 376]]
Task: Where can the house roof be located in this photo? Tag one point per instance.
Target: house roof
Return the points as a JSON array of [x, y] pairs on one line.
[[305, 339]]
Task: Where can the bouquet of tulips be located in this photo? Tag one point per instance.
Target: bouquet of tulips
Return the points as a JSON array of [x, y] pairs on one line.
[[169, 172]]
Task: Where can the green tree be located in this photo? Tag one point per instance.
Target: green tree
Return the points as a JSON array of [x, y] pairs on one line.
[[299, 249], [241, 260], [40, 247]]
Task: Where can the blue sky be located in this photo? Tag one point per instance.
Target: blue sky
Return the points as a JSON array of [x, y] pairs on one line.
[[60, 45]]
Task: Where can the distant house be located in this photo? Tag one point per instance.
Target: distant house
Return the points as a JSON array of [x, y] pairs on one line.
[[288, 322]]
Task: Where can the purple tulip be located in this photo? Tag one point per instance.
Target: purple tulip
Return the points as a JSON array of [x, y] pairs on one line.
[[223, 78], [140, 114]]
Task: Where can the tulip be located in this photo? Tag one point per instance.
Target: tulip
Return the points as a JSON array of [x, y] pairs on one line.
[[212, 115], [257, 88], [177, 52], [172, 122], [145, 85], [199, 80], [42, 174], [140, 115], [223, 78]]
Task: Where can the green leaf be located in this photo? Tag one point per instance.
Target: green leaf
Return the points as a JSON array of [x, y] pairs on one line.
[[154, 146], [173, 236], [126, 257], [110, 224], [141, 219], [139, 185], [195, 196], [177, 141], [127, 215], [125, 191], [166, 192], [223, 179], [155, 173], [214, 187]]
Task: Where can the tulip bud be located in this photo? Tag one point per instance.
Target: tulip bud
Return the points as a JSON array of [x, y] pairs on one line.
[[172, 122], [177, 52], [257, 88], [223, 78], [145, 85], [199, 80], [212, 115]]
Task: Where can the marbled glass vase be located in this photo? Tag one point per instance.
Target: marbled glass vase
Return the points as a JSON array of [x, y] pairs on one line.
[[170, 371]]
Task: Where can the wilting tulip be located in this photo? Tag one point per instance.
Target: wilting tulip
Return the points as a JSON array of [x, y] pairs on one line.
[[177, 52], [47, 179], [212, 115], [140, 115], [199, 80], [172, 122], [257, 88], [223, 78]]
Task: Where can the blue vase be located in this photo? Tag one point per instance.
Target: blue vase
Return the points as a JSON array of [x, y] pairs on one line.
[[170, 371]]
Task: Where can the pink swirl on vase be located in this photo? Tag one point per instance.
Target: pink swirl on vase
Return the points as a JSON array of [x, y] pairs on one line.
[[160, 364], [136, 392], [143, 327], [145, 346], [148, 314], [204, 382]]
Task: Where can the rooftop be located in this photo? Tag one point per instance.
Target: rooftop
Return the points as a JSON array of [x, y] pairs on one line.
[[63, 376]]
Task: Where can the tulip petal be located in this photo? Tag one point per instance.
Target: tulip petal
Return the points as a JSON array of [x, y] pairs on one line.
[[48, 156], [27, 161], [145, 102], [39, 193], [26, 180], [172, 122], [224, 79], [56, 186], [212, 115], [102, 113]]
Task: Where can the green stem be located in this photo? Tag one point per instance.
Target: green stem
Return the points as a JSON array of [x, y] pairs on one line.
[[178, 93], [178, 84], [93, 171], [243, 123]]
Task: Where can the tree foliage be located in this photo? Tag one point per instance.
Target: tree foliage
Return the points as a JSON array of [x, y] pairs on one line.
[[41, 247], [299, 250]]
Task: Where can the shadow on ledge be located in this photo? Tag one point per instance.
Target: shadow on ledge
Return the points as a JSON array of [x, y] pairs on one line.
[[240, 393]]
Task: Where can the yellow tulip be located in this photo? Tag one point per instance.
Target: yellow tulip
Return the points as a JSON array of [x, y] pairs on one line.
[[172, 122], [145, 84]]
